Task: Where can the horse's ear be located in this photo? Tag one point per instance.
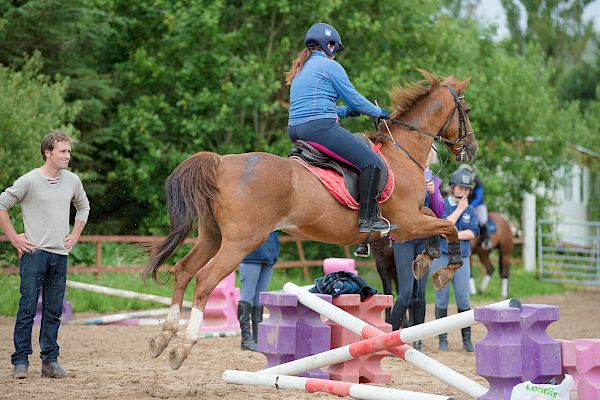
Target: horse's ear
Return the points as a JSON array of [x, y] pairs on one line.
[[460, 87], [429, 77]]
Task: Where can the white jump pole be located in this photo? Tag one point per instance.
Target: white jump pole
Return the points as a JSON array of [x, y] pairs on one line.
[[107, 319], [404, 351], [128, 294], [338, 388]]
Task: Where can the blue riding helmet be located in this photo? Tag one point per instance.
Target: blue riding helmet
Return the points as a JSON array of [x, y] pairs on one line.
[[322, 34], [462, 177]]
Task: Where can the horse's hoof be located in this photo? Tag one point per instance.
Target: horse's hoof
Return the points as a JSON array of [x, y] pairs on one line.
[[158, 344], [440, 278], [420, 266], [178, 356]]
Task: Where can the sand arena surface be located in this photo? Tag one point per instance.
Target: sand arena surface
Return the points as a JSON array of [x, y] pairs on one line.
[[112, 362]]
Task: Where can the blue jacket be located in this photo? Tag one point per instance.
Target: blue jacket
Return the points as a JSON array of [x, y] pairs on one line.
[[318, 86], [268, 252], [467, 220], [476, 196]]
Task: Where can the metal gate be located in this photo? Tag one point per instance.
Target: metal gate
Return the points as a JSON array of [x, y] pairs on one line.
[[569, 252]]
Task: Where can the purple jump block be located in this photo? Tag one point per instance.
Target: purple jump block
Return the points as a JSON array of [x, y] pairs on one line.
[[540, 353], [498, 355], [66, 316], [292, 331]]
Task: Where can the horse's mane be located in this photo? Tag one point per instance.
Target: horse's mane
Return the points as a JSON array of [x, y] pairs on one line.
[[405, 97]]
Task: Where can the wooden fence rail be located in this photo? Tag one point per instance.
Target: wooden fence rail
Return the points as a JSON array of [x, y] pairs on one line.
[[98, 268]]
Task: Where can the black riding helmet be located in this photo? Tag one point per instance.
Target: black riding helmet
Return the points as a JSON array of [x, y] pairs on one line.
[[322, 34]]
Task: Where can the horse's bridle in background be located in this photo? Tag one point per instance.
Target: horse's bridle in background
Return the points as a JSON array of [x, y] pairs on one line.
[[463, 135]]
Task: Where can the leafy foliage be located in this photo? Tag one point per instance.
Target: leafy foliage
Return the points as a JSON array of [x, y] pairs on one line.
[[159, 80]]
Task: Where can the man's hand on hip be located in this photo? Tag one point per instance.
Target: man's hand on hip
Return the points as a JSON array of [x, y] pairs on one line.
[[22, 245]]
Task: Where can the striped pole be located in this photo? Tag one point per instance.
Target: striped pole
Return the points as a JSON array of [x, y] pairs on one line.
[[338, 388], [107, 319], [404, 351], [128, 294]]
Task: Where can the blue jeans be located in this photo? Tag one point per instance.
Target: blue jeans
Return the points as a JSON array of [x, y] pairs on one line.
[[411, 292], [254, 278], [46, 271], [460, 281]]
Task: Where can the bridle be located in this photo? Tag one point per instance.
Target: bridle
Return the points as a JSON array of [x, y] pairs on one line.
[[462, 129]]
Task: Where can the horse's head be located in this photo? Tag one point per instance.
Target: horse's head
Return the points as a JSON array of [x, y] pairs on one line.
[[436, 107], [457, 133]]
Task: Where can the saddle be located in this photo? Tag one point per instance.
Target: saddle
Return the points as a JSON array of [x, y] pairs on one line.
[[311, 156]]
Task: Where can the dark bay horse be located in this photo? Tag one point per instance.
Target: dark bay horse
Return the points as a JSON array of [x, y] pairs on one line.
[[238, 199], [503, 241]]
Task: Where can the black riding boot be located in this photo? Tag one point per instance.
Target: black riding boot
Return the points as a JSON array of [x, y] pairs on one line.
[[417, 310], [486, 240], [466, 336], [441, 313], [244, 311], [369, 219], [257, 317]]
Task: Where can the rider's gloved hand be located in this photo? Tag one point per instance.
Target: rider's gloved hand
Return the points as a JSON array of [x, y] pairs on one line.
[[384, 114], [353, 113]]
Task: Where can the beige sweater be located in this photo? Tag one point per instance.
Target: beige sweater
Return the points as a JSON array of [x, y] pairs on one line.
[[46, 207]]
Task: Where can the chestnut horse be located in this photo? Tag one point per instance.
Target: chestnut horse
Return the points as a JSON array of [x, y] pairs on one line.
[[502, 240], [238, 199]]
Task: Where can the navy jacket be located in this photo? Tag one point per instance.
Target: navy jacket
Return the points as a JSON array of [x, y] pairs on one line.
[[266, 252], [467, 220]]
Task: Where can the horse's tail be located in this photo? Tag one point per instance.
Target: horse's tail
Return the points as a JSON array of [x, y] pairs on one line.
[[189, 191]]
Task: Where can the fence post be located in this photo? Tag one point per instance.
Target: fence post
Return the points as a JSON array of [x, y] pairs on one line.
[[301, 256], [528, 228], [98, 259]]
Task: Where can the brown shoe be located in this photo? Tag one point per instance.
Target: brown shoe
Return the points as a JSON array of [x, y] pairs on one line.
[[20, 371], [53, 370]]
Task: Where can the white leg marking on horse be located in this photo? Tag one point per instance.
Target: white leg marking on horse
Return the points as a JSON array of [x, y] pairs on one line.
[[504, 288], [174, 314], [193, 328], [472, 289], [484, 283]]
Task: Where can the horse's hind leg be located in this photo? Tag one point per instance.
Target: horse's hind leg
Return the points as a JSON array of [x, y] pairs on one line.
[[504, 255], [224, 262], [185, 269], [484, 256]]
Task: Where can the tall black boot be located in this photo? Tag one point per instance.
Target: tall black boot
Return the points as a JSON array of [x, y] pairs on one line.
[[466, 336], [486, 240], [369, 219], [244, 311], [441, 313], [417, 309], [257, 317]]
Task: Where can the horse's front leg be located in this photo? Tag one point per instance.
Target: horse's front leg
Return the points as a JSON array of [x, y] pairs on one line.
[[424, 226], [422, 262]]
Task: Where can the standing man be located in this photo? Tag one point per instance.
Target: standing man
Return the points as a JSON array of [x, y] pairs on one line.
[[45, 195]]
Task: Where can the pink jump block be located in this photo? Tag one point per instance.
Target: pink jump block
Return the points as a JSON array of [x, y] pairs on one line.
[[220, 314], [339, 264], [365, 369], [581, 359]]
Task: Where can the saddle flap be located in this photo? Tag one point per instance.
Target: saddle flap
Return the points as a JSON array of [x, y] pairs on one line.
[[314, 157]]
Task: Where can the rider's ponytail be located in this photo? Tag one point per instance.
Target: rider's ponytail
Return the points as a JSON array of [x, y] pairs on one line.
[[298, 63]]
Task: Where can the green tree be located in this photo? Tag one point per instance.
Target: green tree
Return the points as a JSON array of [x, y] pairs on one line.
[[30, 105]]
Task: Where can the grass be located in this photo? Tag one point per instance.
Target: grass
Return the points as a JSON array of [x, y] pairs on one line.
[[522, 284]]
